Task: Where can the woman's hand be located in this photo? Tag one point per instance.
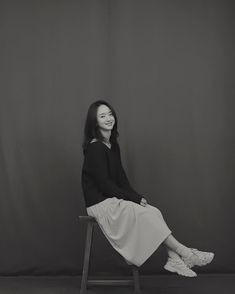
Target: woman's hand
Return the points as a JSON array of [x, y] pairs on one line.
[[143, 202]]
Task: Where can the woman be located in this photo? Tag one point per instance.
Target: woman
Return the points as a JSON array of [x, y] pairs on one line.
[[132, 226]]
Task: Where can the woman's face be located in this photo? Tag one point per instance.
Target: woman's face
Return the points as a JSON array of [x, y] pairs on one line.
[[105, 118]]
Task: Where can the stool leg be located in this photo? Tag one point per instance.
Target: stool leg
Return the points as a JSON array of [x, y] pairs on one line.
[[86, 258], [136, 278]]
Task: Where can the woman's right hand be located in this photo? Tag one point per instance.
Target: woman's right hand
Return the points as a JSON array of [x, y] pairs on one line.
[[143, 202]]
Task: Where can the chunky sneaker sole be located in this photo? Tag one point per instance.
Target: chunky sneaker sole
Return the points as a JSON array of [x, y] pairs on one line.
[[198, 258], [179, 267]]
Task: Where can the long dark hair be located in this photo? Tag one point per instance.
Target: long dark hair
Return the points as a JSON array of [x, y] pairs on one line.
[[92, 131]]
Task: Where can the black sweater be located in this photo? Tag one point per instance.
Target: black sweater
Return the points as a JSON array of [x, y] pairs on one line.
[[103, 175]]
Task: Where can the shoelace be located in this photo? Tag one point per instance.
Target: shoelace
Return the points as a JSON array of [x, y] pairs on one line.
[[201, 255]]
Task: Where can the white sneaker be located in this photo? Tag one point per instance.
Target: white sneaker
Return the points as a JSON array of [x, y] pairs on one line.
[[198, 258], [176, 265]]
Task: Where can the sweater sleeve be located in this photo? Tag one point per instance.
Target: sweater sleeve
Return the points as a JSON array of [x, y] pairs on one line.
[[97, 166], [124, 182]]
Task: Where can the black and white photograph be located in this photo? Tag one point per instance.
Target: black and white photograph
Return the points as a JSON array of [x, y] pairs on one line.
[[117, 146]]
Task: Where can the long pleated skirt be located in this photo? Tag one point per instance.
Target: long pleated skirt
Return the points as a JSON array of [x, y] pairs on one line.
[[133, 230]]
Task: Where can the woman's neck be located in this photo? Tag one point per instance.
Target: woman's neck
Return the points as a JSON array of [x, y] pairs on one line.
[[106, 135]]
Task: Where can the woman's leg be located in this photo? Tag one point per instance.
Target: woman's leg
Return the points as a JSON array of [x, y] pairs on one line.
[[175, 249], [190, 256], [174, 262], [174, 245]]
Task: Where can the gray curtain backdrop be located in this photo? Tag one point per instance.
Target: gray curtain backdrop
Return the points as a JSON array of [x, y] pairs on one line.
[[167, 67]]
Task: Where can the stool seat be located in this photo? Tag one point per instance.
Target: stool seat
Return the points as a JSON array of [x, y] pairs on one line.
[[91, 222]]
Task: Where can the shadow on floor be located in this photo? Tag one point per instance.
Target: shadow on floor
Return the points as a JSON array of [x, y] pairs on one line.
[[160, 284]]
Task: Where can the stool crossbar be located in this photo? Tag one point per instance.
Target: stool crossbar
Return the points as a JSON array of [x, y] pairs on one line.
[[91, 222]]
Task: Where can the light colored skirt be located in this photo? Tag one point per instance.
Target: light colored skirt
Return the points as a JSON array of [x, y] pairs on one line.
[[133, 230]]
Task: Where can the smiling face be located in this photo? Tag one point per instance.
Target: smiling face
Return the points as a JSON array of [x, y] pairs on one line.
[[105, 118]]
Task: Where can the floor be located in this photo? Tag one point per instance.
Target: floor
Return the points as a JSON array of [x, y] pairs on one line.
[[160, 284]]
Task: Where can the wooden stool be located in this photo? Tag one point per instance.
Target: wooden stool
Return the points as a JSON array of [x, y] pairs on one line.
[[85, 281]]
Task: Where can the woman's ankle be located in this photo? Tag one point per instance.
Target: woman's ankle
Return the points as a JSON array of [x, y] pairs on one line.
[[183, 251]]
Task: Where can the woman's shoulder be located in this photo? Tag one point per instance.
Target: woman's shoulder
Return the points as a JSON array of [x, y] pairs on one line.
[[96, 146], [93, 141]]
